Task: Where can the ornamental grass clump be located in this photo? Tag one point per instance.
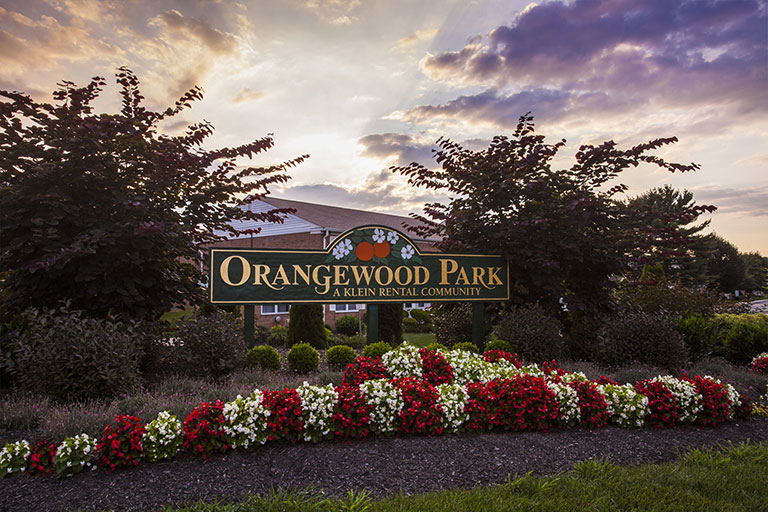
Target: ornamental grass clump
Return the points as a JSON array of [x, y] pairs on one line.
[[40, 458], [351, 413], [629, 407], [246, 420], [163, 437], [317, 404], [120, 444], [284, 420], [13, 458], [363, 369], [204, 430], [386, 402], [687, 397], [75, 454], [453, 402]]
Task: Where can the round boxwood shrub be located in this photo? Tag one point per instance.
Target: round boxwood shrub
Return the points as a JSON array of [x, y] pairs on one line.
[[303, 358], [277, 336], [348, 325], [502, 345], [410, 325], [467, 346], [436, 346], [263, 356], [532, 333], [376, 349], [340, 356]]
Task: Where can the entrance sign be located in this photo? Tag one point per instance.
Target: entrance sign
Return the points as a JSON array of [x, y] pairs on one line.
[[368, 264]]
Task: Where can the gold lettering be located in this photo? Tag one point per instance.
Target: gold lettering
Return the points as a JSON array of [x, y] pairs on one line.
[[336, 293], [424, 272], [462, 279], [447, 267], [379, 280], [297, 271], [224, 271], [257, 274], [326, 281], [362, 273], [281, 275], [493, 278], [408, 275], [478, 276], [340, 275]]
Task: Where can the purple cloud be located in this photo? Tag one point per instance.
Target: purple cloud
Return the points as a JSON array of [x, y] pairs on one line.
[[404, 147]]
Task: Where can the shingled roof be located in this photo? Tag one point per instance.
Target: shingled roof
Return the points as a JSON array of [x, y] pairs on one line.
[[313, 217]]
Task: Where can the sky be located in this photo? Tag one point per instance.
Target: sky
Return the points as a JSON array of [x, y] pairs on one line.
[[364, 85]]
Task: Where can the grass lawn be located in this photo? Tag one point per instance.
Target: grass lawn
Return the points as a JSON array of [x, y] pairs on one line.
[[174, 316], [419, 339], [732, 479]]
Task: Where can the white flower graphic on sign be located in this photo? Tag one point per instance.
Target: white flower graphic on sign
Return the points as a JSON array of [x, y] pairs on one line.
[[406, 252], [342, 249], [392, 237], [378, 235]]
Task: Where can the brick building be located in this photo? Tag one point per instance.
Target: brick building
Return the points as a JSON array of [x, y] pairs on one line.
[[314, 226]]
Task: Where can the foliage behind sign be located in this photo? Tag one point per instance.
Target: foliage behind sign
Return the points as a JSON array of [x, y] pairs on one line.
[[365, 264]]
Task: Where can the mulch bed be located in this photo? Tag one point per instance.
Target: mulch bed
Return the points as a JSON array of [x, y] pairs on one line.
[[409, 465]]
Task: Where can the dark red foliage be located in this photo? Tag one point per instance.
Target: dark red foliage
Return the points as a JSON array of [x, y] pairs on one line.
[[435, 369], [661, 402], [363, 369], [285, 421], [120, 445], [351, 414], [592, 404], [421, 412], [204, 429], [40, 459], [493, 356], [522, 403]]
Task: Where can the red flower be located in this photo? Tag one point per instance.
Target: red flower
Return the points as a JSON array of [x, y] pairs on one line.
[[285, 418], [351, 413], [592, 404], [363, 369], [120, 445], [435, 369], [661, 402], [204, 429]]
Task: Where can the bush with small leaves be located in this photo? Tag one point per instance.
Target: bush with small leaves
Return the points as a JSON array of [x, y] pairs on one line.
[[163, 437], [277, 336], [303, 358], [340, 356], [421, 316], [376, 349], [532, 333], [411, 325], [13, 458], [348, 325], [75, 454], [210, 345], [437, 347], [263, 356], [502, 345], [467, 346]]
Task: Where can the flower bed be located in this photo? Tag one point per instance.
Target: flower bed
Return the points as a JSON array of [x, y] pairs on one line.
[[409, 392]]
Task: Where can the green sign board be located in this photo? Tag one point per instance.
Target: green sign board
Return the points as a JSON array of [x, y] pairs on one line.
[[367, 264]]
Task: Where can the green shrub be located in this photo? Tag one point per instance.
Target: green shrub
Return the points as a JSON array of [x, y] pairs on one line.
[[355, 342], [263, 356], [436, 346], [411, 325], [376, 349], [391, 323], [741, 337], [498, 345], [209, 346], [651, 339], [306, 326], [421, 316], [675, 299], [348, 325], [340, 356], [67, 356], [277, 336], [452, 323], [303, 358], [700, 334], [531, 332], [467, 346]]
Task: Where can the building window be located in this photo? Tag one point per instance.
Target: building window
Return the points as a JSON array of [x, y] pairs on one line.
[[275, 309], [417, 305], [343, 308]]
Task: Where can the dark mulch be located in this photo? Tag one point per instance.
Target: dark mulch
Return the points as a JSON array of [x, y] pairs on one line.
[[409, 465]]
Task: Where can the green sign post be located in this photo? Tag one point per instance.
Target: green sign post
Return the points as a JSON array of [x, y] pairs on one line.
[[368, 264]]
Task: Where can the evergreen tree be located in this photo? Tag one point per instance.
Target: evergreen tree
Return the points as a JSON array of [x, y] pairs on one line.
[[306, 326], [391, 323]]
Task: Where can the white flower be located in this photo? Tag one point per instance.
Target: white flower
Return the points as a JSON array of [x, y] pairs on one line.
[[342, 249], [378, 235], [392, 237], [407, 252]]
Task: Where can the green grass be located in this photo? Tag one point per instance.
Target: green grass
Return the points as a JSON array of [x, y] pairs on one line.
[[174, 316], [729, 480], [419, 339]]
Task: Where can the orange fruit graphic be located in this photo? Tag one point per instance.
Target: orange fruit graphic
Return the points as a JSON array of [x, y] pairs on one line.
[[364, 251], [381, 249]]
